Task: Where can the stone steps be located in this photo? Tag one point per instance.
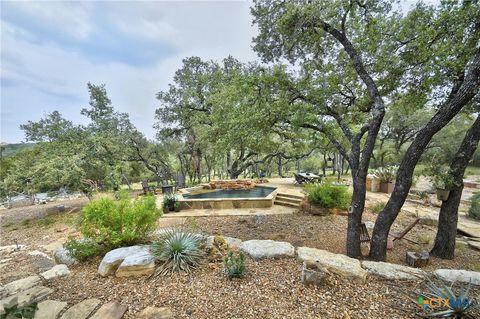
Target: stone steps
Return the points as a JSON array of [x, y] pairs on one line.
[[288, 200]]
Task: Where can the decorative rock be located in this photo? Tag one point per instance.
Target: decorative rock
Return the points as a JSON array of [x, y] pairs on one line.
[[38, 253], [56, 271], [114, 258], [11, 248], [259, 218], [49, 309], [417, 260], [312, 275], [335, 263], [62, 256], [138, 264], [155, 313], [81, 310], [393, 271], [464, 276], [369, 224], [258, 249], [231, 242], [25, 297], [127, 261], [19, 285], [111, 310]]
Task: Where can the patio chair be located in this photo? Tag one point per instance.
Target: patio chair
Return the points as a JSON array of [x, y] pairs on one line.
[[299, 180]]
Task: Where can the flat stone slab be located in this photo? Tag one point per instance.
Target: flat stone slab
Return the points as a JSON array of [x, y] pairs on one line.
[[111, 310], [231, 242], [49, 309], [393, 271], [469, 227], [113, 259], [474, 244], [258, 249], [458, 275], [335, 263], [11, 248], [81, 310], [155, 313], [25, 297], [19, 285], [56, 271]]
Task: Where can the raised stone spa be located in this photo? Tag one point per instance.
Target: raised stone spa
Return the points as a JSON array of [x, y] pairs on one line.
[[227, 194]]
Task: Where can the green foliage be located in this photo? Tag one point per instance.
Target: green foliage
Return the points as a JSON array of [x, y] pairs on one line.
[[474, 211], [377, 207], [234, 265], [25, 312], [82, 249], [424, 239], [177, 250], [386, 174], [329, 195], [458, 306], [116, 223], [439, 174]]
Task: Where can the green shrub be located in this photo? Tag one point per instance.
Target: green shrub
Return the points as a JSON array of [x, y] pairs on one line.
[[177, 250], [377, 207], [25, 312], [328, 195], [116, 223], [234, 265], [82, 249], [474, 211]]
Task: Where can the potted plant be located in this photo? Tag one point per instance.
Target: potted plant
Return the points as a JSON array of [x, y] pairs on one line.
[[441, 178], [169, 201], [386, 175], [176, 206]]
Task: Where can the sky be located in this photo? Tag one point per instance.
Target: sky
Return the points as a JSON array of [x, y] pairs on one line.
[[51, 50]]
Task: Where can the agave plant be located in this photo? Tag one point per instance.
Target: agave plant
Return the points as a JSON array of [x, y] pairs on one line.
[[234, 265], [457, 307], [177, 250]]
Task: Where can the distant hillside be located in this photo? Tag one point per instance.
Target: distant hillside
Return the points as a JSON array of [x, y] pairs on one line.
[[11, 149]]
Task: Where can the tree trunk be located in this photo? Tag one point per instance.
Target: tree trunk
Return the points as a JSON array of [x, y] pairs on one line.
[[280, 166], [355, 214], [460, 96], [444, 246]]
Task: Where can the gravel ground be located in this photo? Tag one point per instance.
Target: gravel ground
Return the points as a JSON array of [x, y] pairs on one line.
[[272, 288]]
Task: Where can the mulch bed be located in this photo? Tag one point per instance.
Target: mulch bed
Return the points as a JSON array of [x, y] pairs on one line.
[[271, 289]]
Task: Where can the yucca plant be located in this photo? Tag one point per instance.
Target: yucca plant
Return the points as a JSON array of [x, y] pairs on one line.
[[177, 250], [458, 307], [234, 265]]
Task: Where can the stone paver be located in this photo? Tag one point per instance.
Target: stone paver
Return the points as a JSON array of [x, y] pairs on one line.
[[474, 244], [49, 309], [81, 310], [25, 297], [155, 313], [19, 285], [111, 310]]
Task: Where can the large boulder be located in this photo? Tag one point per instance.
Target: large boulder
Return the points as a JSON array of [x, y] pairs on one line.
[[393, 271], [127, 261], [258, 249], [458, 275], [19, 285], [335, 263]]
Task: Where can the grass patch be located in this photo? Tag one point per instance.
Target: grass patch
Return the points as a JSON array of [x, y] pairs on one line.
[[377, 207], [424, 239], [47, 221], [8, 225], [475, 267], [26, 222]]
